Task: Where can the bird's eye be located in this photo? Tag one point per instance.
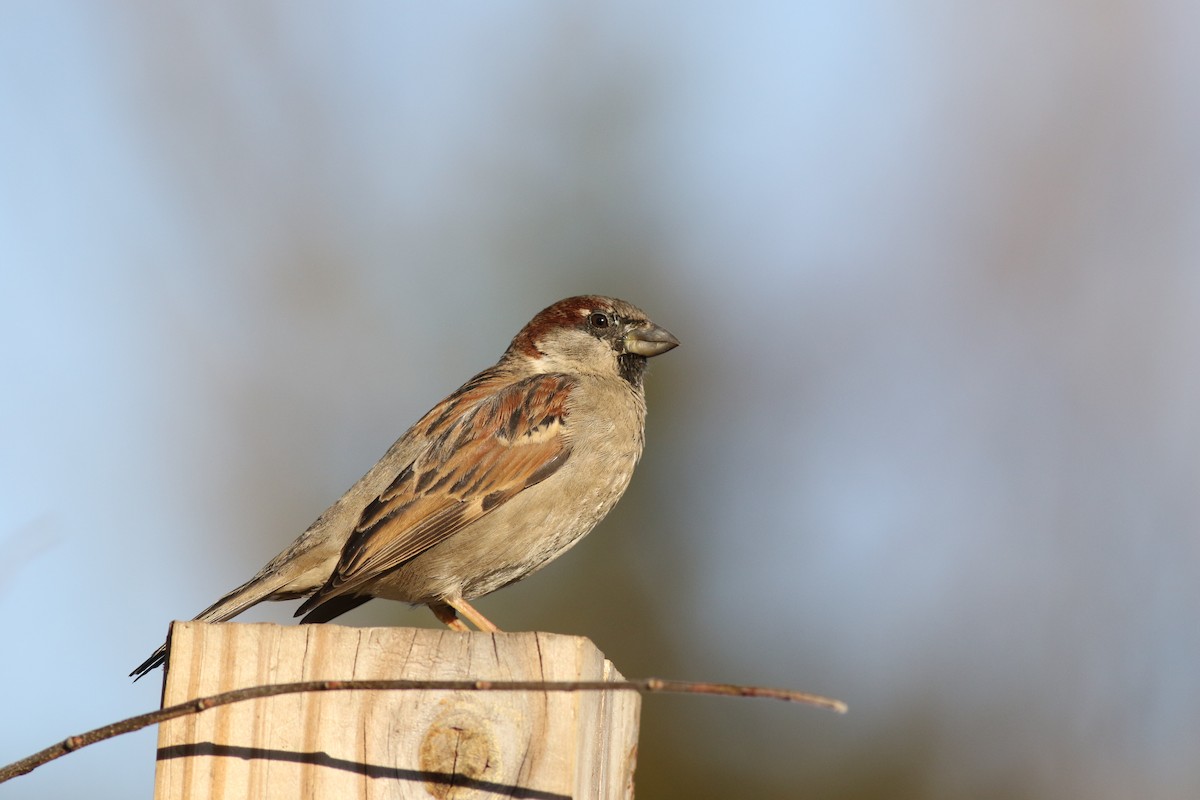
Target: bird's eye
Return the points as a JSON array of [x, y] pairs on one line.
[[599, 320]]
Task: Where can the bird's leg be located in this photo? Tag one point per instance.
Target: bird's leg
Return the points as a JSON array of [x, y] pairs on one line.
[[469, 611], [445, 611], [446, 614]]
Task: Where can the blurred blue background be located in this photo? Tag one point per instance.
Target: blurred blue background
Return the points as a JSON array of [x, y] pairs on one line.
[[929, 446]]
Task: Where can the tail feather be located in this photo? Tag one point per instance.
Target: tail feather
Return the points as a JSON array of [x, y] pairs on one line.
[[156, 659], [299, 570], [259, 588]]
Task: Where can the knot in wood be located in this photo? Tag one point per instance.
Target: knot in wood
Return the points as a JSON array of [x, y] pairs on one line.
[[458, 749]]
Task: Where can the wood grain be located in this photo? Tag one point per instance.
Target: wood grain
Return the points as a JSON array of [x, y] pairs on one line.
[[412, 744]]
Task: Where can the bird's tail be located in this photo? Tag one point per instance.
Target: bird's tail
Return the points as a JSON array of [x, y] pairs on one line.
[[263, 586]]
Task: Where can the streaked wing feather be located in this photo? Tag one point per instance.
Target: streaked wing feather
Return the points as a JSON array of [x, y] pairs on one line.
[[507, 442]]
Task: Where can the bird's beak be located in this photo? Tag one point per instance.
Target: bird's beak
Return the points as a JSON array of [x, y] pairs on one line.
[[649, 340]]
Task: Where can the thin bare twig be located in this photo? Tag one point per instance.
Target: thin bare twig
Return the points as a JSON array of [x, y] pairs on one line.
[[131, 724]]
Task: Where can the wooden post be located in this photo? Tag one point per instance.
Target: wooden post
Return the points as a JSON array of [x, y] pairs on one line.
[[376, 744]]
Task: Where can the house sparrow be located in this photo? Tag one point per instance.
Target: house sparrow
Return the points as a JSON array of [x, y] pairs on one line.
[[500, 478]]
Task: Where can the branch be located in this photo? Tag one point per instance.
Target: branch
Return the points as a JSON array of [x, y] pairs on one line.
[[648, 685]]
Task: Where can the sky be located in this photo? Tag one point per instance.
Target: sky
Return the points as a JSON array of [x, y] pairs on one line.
[[928, 446]]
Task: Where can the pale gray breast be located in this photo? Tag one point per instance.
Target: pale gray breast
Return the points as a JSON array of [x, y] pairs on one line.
[[604, 425]]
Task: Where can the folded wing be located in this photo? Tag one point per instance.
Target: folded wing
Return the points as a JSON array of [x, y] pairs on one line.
[[485, 447]]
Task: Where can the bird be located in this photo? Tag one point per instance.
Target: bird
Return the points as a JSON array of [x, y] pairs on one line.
[[501, 477]]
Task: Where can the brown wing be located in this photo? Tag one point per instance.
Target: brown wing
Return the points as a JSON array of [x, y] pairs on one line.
[[506, 442]]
